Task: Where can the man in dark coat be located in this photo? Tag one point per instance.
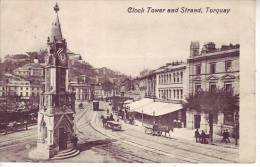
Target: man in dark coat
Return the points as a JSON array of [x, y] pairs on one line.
[[197, 135], [203, 137], [227, 136]]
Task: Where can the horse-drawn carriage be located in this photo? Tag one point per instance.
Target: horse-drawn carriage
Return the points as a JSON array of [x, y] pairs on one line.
[[114, 125], [158, 130], [111, 123]]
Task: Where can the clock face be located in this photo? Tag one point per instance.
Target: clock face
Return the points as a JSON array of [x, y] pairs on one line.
[[62, 56]]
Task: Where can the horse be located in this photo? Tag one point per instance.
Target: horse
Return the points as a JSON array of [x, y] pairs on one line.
[[104, 121], [156, 130], [166, 129]]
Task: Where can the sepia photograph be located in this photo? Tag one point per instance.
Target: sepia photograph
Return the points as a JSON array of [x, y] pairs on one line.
[[127, 81]]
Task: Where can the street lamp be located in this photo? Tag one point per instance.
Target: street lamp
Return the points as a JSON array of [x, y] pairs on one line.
[[236, 127], [154, 116]]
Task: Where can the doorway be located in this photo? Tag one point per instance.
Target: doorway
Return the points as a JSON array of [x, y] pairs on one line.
[[197, 119], [62, 139]]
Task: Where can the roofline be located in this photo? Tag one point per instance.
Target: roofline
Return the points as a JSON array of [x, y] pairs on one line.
[[216, 55]]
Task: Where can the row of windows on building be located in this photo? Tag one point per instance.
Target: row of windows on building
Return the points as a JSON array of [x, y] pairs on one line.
[[82, 94], [174, 94], [22, 72], [213, 87], [20, 83], [34, 72], [176, 77], [228, 67], [22, 88], [22, 94]]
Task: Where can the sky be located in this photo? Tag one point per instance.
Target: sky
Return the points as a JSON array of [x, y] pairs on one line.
[[105, 34]]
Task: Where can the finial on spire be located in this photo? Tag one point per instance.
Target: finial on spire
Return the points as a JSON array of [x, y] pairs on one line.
[[56, 7]]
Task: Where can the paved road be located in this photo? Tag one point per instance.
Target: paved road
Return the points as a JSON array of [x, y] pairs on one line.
[[170, 150], [14, 147], [131, 145]]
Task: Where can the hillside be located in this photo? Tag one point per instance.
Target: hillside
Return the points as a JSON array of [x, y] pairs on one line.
[[77, 67]]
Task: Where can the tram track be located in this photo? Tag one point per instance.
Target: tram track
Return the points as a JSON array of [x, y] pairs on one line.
[[132, 143], [20, 142], [112, 150], [187, 154], [185, 146], [13, 140]]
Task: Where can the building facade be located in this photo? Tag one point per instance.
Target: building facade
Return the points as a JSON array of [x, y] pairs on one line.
[[172, 82], [83, 91], [147, 84], [2, 89], [30, 70], [213, 69], [23, 88]]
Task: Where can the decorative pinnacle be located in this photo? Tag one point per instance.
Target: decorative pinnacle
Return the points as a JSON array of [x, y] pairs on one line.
[[56, 7]]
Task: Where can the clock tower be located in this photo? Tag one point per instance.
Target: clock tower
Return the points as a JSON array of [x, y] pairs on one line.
[[57, 104]]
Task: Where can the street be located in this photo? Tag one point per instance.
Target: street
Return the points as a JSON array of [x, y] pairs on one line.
[[97, 144]]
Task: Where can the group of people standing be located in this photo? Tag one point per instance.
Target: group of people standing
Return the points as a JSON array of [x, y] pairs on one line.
[[201, 137]]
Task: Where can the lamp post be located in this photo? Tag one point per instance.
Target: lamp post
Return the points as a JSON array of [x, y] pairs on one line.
[[236, 127], [154, 116]]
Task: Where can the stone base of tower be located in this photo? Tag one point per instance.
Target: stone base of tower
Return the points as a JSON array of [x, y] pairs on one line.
[[42, 152]]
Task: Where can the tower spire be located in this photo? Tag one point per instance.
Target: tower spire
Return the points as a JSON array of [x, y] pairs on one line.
[[56, 7], [56, 27]]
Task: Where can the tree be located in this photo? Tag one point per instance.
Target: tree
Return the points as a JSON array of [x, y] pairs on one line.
[[212, 102], [107, 86]]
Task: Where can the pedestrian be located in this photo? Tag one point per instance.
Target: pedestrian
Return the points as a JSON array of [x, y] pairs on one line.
[[203, 137], [227, 137], [75, 141], [111, 117], [197, 135], [223, 136]]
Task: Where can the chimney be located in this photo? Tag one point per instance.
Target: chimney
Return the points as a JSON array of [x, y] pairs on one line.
[[194, 49]]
